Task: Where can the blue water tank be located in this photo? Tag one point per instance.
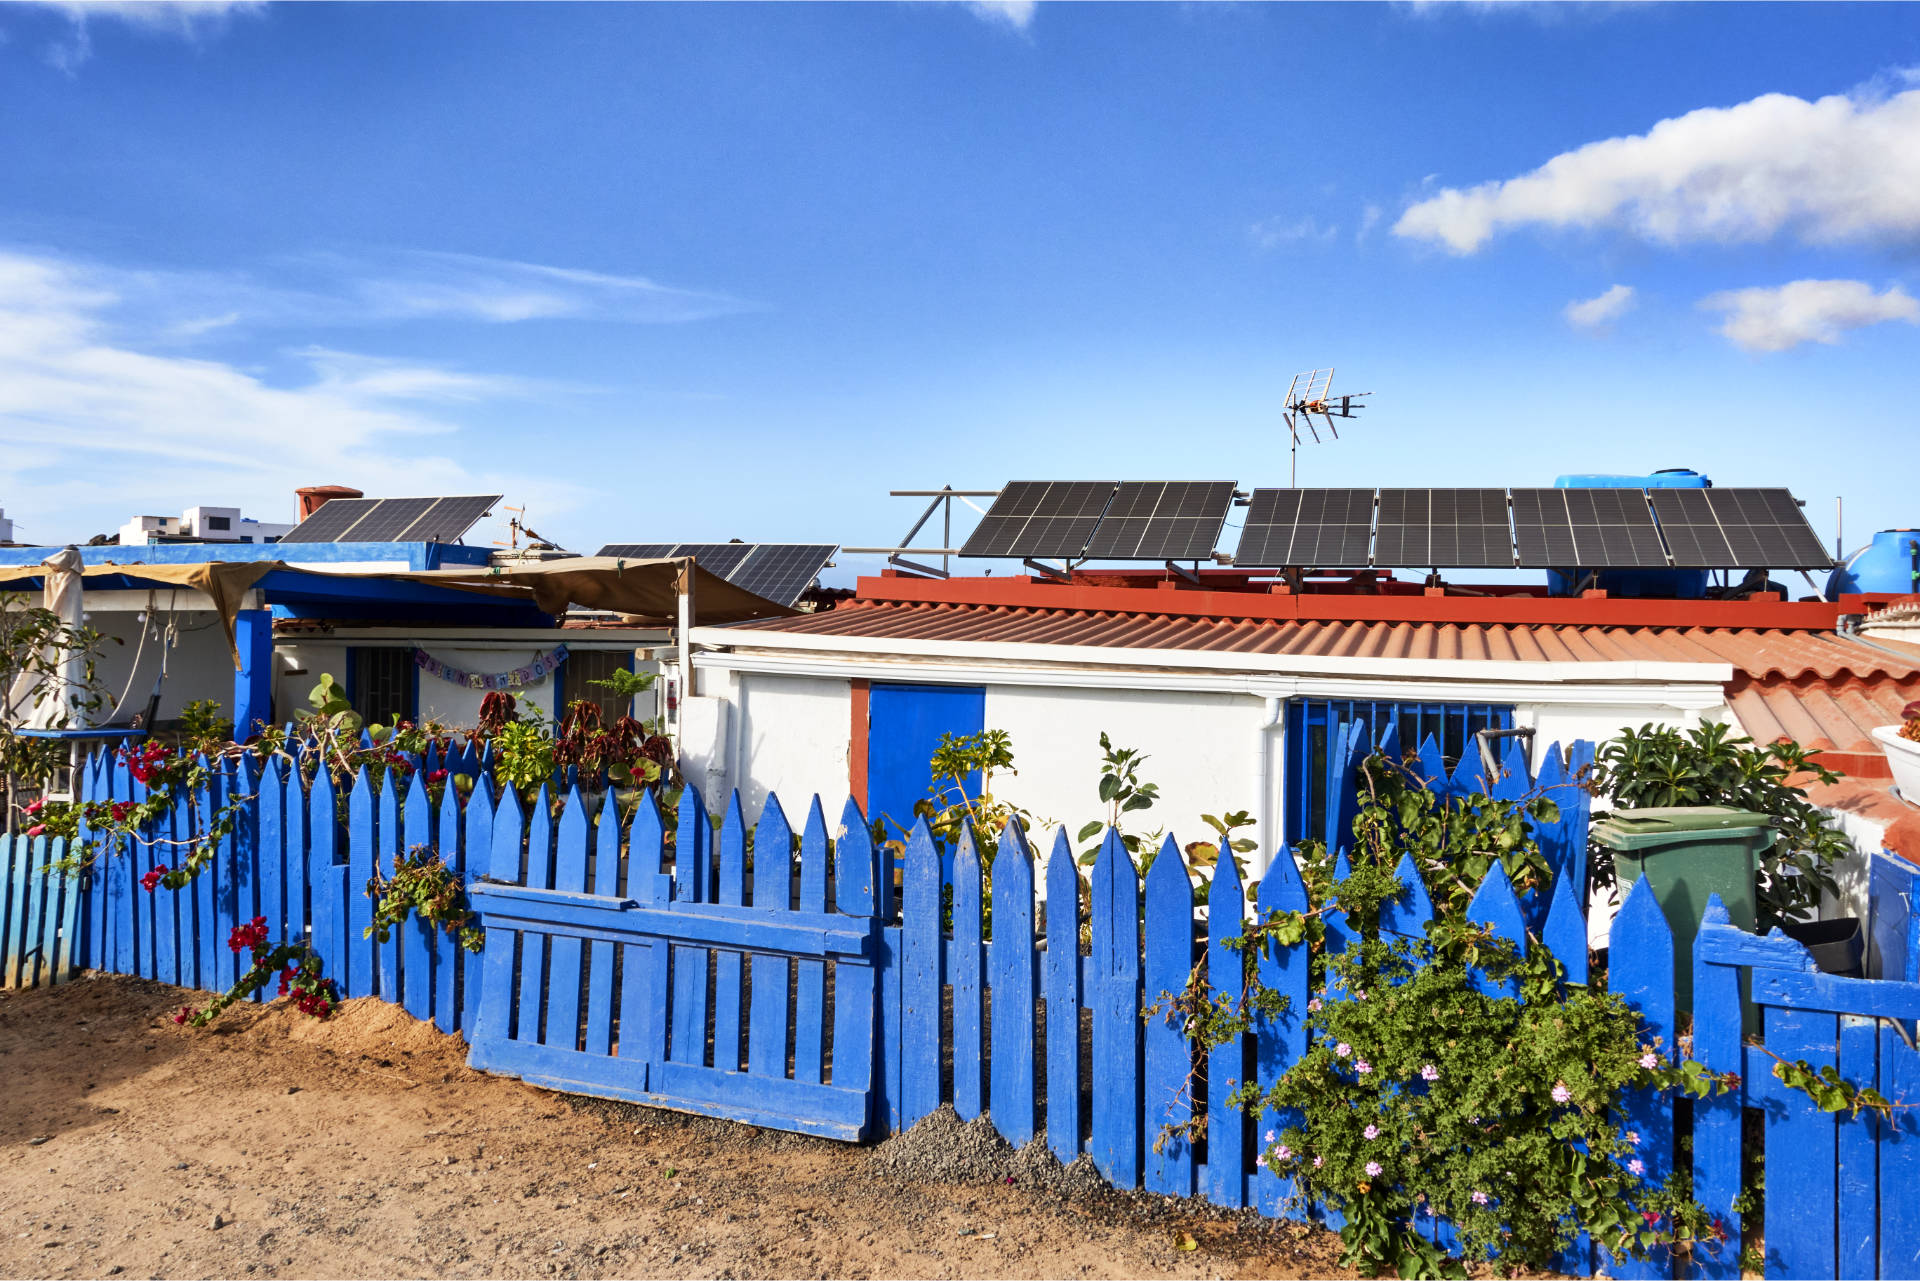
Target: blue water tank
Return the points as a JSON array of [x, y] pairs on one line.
[[1665, 584], [1890, 563]]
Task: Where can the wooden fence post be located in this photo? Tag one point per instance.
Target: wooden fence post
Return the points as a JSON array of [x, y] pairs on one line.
[[1062, 977], [1014, 969], [921, 978], [1169, 1059], [967, 974], [1116, 1013]]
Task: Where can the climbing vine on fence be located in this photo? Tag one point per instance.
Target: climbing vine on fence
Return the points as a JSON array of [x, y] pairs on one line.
[[424, 887], [298, 966], [1453, 1075]]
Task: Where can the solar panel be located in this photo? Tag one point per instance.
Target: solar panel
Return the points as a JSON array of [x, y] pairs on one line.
[[1591, 528], [1041, 518], [332, 520], [1162, 520], [1737, 529], [1443, 527], [638, 551], [392, 520], [1309, 528], [716, 558], [780, 572]]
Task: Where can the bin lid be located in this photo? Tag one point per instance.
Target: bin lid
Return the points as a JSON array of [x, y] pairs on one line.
[[1660, 824]]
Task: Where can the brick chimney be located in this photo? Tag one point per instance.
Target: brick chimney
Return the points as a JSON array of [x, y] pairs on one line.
[[314, 497]]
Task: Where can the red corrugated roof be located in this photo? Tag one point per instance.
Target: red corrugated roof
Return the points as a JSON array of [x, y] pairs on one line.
[[1819, 688]]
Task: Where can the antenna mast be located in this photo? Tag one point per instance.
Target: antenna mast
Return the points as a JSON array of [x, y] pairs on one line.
[[1310, 396]]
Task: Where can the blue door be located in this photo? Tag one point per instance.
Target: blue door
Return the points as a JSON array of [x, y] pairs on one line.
[[904, 725]]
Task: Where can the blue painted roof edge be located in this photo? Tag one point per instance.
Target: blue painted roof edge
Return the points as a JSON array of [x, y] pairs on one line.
[[419, 556]]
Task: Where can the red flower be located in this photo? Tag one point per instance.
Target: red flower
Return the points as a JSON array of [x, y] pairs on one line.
[[1651, 1216], [151, 881], [251, 935], [121, 809], [186, 1013], [37, 829], [437, 776], [37, 806]]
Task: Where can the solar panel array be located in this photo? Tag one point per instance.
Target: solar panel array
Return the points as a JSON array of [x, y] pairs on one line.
[[779, 572], [1162, 520], [393, 520], [1544, 528], [1042, 518]]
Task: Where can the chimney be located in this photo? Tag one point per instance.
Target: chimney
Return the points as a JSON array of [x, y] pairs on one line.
[[314, 497]]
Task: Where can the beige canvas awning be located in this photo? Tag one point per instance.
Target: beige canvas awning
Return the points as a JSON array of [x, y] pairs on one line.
[[646, 589]]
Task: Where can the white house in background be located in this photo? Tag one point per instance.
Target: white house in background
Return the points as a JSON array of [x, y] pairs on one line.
[[1230, 685], [202, 524]]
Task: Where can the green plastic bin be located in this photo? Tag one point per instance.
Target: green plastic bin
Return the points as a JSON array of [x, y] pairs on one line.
[[1689, 852]]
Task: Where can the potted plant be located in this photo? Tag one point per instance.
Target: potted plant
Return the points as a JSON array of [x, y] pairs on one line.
[[1901, 743]]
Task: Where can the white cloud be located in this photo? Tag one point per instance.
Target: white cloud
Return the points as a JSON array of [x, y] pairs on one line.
[[1017, 14], [184, 19], [96, 423], [1271, 233], [1369, 219], [1807, 311], [1842, 168], [1597, 313]]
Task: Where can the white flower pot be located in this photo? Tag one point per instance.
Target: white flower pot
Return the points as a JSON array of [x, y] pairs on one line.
[[1904, 755]]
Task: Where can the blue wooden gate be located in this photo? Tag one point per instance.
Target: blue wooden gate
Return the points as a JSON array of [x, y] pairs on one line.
[[694, 990]]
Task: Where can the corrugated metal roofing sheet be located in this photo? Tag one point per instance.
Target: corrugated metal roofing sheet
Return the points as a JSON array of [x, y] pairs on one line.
[[1758, 653], [1821, 689]]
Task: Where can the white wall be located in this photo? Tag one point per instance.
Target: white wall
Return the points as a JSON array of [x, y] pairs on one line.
[[791, 737], [1200, 750], [199, 666]]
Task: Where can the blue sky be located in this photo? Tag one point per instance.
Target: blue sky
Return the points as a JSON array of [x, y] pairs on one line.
[[665, 272]]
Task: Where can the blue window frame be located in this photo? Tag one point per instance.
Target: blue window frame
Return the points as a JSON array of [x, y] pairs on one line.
[[1312, 721]]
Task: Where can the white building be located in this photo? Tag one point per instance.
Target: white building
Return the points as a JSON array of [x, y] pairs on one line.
[[204, 524]]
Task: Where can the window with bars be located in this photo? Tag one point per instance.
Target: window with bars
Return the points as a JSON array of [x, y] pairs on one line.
[[582, 668], [1312, 722], [383, 685]]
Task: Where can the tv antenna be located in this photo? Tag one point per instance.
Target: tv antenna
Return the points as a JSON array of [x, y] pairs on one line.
[[1310, 396], [516, 527]]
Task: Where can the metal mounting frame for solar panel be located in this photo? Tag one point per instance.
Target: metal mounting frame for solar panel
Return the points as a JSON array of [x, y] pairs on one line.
[[1162, 520], [638, 551], [393, 520], [1050, 518], [1585, 529], [1738, 528], [1443, 529], [1307, 528]]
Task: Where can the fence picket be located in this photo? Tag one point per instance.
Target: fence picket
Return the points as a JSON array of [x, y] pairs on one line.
[[1280, 1041], [1856, 1173], [810, 977], [294, 876], [692, 844], [1169, 1057], [1226, 1063], [243, 861], [1716, 1118], [538, 861], [1641, 970], [1407, 913], [90, 954], [606, 884], [216, 900], [645, 970], [389, 845], [732, 891], [1433, 769], [32, 922], [1494, 906], [967, 973], [1062, 978], [271, 849], [475, 859], [417, 938], [328, 878], [1801, 1151], [1115, 917], [1899, 1161], [855, 882], [921, 977], [773, 892], [495, 1007], [563, 967], [1339, 931], [169, 911], [448, 842], [1013, 967], [361, 977], [1470, 775]]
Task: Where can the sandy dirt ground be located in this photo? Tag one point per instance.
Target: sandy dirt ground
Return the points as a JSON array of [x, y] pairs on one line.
[[277, 1146]]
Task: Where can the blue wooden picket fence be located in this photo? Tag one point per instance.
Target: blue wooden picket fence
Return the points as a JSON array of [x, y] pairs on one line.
[[776, 977]]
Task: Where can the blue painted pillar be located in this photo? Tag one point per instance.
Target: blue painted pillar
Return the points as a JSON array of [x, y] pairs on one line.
[[253, 682]]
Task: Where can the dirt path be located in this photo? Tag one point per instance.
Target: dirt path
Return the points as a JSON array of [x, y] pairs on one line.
[[364, 1147]]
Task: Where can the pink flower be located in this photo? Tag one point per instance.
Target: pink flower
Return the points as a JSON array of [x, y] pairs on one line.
[[1270, 1136], [1373, 1169], [1649, 1061], [1343, 1049], [1284, 1153], [34, 807], [1479, 1198], [1560, 1092], [1633, 1138], [1313, 1005], [1636, 1166], [1429, 1073], [1260, 1161], [1362, 1066], [37, 829], [1371, 1132], [1319, 1161]]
